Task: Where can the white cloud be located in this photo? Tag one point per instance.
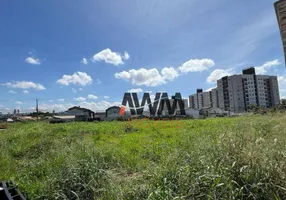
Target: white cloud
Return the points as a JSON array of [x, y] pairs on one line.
[[169, 73], [151, 77], [61, 100], [25, 91], [19, 102], [51, 107], [126, 56], [12, 92], [94, 106], [266, 66], [98, 106], [79, 99], [78, 78], [33, 61], [196, 65], [25, 85], [51, 100], [80, 89], [150, 92], [74, 90], [219, 73], [84, 61], [90, 96], [106, 97], [135, 90], [110, 57]]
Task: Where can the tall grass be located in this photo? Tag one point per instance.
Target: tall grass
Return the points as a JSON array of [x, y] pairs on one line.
[[227, 158]]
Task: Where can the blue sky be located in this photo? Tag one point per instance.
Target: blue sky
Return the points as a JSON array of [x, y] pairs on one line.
[[90, 52]]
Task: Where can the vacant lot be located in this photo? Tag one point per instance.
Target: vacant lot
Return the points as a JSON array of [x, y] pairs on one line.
[[223, 158]]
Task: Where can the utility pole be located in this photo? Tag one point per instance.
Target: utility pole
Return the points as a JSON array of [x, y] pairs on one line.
[[37, 110]]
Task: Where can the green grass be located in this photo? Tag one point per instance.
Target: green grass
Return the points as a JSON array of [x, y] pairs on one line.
[[222, 158]]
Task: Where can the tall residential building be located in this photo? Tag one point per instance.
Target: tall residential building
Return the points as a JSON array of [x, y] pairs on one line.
[[200, 99], [239, 92], [280, 8], [215, 98]]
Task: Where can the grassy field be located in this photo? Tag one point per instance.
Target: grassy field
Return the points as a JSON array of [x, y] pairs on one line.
[[222, 158]]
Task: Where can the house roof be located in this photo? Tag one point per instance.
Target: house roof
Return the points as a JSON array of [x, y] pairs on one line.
[[79, 108], [113, 107]]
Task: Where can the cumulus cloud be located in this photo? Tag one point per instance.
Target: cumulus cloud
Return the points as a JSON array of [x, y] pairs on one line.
[[126, 56], [78, 78], [52, 107], [90, 96], [84, 61], [135, 90], [266, 66], [79, 99], [151, 77], [25, 91], [111, 57], [169, 73], [196, 65], [33, 61], [25, 85], [106, 97], [98, 106], [219, 73]]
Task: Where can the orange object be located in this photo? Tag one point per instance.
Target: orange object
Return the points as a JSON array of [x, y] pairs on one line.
[[122, 110]]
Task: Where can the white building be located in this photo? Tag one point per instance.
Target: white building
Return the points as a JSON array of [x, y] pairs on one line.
[[215, 98], [280, 8], [237, 93], [200, 100]]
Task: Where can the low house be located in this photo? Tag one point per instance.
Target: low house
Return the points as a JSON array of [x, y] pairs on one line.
[[78, 111], [113, 112], [213, 112], [100, 116], [192, 112]]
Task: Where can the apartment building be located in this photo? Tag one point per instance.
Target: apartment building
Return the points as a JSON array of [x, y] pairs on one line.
[[215, 98], [239, 92], [280, 9], [200, 100]]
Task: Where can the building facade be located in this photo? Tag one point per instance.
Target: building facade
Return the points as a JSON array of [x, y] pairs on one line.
[[280, 9], [113, 111], [215, 98], [78, 111], [238, 93], [201, 100]]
